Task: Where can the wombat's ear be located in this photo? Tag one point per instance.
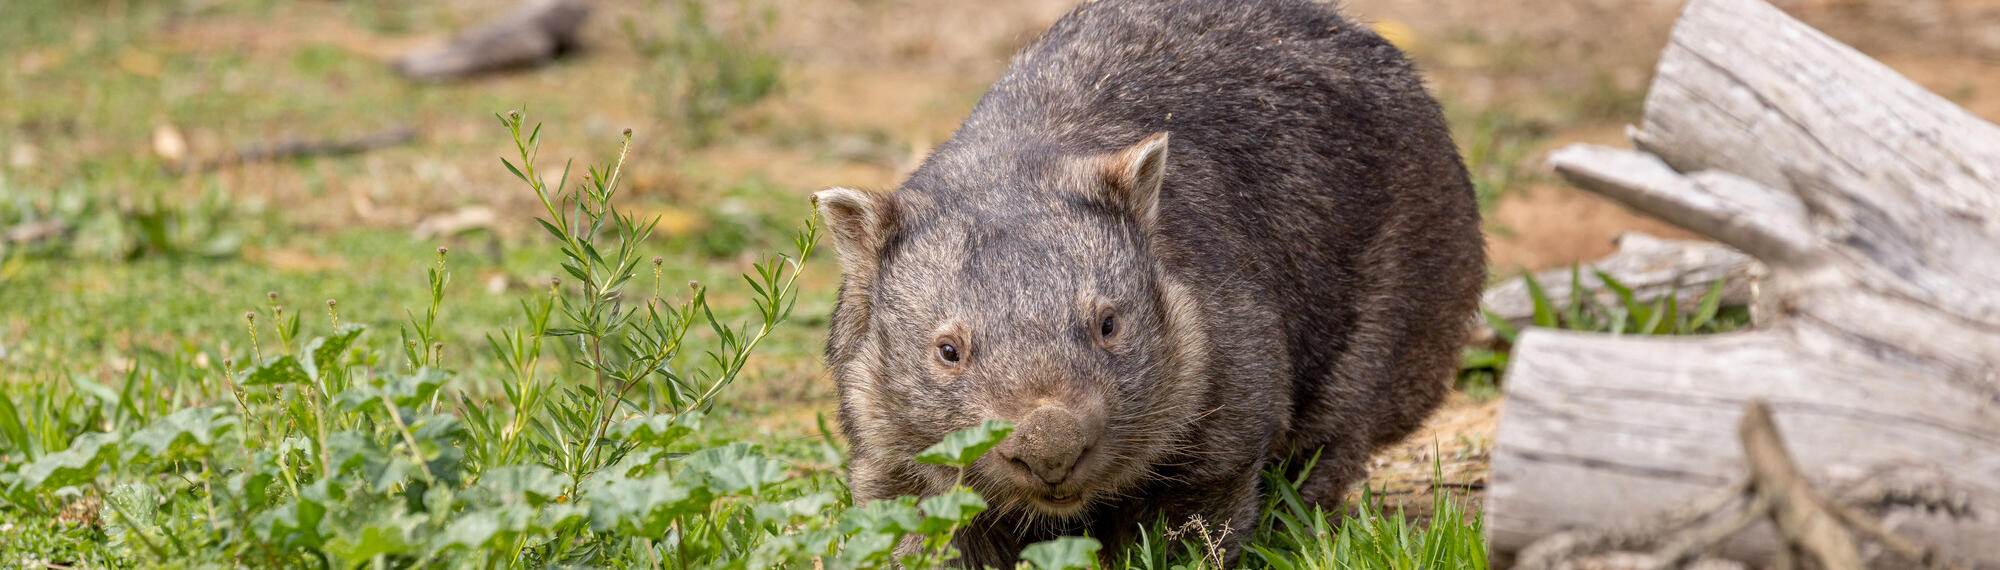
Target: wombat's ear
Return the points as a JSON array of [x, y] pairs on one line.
[[1133, 178], [862, 222]]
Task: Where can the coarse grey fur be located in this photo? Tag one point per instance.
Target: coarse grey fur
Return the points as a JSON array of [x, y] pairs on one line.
[[1261, 197]]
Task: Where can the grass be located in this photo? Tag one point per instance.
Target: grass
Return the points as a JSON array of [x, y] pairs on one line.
[[1482, 369]]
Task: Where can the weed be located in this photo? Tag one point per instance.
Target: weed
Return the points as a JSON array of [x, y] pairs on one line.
[[73, 222], [1480, 370], [320, 451]]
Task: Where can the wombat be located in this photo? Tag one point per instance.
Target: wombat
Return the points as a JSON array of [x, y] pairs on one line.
[[1177, 241]]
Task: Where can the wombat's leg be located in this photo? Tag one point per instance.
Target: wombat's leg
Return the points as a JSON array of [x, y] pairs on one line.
[[1231, 519], [1242, 513], [981, 544], [1342, 462], [1217, 521]]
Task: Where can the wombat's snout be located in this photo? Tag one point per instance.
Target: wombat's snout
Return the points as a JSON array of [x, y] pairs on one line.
[[1048, 443]]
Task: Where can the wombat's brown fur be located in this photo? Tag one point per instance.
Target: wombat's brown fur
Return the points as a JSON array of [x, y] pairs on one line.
[[1177, 241]]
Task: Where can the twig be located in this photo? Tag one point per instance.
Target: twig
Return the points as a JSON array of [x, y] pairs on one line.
[[286, 149], [1805, 521]]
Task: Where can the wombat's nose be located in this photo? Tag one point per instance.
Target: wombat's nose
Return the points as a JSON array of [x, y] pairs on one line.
[[1048, 443]]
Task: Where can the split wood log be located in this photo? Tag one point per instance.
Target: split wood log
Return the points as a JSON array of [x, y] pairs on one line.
[[534, 33], [1651, 267], [1875, 206]]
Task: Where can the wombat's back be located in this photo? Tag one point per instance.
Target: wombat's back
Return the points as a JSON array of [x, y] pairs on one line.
[[1308, 167]]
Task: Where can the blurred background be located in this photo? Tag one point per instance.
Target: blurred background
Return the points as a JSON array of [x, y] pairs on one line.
[[166, 163]]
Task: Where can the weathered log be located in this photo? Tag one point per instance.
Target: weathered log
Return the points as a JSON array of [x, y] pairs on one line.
[[534, 33], [1876, 207]]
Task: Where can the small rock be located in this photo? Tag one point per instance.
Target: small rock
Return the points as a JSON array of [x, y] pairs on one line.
[[169, 144], [23, 156]]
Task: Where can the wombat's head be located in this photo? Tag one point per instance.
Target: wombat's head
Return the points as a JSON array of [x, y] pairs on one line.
[[1022, 285]]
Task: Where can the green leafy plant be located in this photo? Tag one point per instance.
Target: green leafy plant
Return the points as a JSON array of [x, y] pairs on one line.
[[1481, 369], [309, 455], [76, 223]]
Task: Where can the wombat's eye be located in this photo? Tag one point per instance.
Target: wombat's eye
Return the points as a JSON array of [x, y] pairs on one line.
[[1110, 326], [948, 352]]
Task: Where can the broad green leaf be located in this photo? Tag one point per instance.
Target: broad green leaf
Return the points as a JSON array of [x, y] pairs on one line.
[[77, 464], [391, 534], [414, 389], [533, 484], [283, 370], [644, 506], [363, 398], [943, 511], [492, 528], [1066, 553], [796, 550], [473, 529], [186, 433], [892, 516], [780, 514], [440, 439], [297, 522], [103, 394], [734, 469], [353, 450], [962, 447], [326, 350], [865, 550], [254, 487], [658, 430]]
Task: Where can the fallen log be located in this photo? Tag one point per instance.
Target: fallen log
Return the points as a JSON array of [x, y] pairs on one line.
[[533, 33], [1875, 206]]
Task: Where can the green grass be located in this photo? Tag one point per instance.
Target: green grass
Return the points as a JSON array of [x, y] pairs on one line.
[[594, 433], [1482, 369]]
